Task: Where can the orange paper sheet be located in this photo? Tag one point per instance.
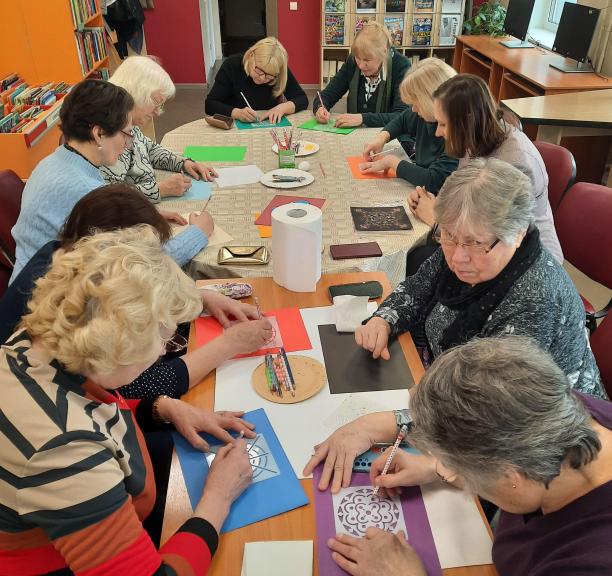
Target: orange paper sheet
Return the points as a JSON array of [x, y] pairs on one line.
[[354, 162], [264, 231], [292, 331]]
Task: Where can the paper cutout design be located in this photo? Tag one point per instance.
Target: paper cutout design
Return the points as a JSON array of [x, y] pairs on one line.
[[357, 509], [380, 218]]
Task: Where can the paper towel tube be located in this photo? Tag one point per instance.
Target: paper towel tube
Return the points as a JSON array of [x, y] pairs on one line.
[[296, 246]]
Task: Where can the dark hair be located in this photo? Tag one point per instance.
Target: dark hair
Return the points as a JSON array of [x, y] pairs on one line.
[[94, 103], [112, 207], [475, 124]]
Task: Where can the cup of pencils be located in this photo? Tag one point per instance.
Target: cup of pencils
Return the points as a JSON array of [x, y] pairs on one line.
[[287, 148]]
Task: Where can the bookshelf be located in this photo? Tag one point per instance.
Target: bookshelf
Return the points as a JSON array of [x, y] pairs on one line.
[[42, 40], [420, 28]]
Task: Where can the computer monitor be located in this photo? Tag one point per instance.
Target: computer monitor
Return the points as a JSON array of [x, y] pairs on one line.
[[518, 15], [574, 34]]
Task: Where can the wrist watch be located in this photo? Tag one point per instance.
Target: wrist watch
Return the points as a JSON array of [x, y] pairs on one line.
[[403, 418], [155, 411]]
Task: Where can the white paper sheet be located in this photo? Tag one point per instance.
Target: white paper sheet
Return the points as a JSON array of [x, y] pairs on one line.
[[353, 406], [218, 238], [351, 311], [238, 175], [278, 558]]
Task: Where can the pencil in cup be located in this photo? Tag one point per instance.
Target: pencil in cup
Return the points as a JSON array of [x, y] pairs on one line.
[[402, 434]]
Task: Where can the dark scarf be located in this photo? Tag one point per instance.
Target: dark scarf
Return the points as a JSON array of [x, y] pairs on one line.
[[384, 91], [75, 151], [476, 303]]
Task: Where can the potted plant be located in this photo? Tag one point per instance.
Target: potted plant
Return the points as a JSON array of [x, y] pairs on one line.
[[489, 19]]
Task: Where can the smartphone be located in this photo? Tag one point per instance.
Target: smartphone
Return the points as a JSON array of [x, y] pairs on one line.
[[371, 289]]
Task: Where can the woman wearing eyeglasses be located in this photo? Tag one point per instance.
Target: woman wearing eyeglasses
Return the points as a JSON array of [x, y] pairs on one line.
[[491, 275], [263, 76]]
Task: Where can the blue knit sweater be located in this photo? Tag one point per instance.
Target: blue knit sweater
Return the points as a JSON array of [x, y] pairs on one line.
[[58, 182]]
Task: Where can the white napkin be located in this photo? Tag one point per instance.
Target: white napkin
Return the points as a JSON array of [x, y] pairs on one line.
[[278, 558], [351, 311]]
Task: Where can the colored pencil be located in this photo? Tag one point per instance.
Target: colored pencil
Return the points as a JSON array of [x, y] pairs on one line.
[[321, 100], [400, 437], [288, 367]]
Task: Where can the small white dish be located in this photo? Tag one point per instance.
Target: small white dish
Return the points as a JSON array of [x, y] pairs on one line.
[[306, 148], [268, 178]]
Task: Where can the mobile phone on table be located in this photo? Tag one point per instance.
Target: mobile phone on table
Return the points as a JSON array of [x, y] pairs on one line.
[[371, 289]]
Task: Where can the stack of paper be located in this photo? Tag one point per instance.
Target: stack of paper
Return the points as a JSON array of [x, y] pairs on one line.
[[238, 176], [277, 558]]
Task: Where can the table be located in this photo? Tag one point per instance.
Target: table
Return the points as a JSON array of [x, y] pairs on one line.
[[234, 208], [573, 114], [298, 524]]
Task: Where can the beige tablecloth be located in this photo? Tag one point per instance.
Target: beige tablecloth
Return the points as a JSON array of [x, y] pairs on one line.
[[234, 209]]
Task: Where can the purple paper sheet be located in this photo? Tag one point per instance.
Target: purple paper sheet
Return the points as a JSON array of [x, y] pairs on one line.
[[415, 517]]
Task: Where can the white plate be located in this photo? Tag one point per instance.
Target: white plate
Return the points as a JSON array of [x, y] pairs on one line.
[[306, 148], [267, 180]]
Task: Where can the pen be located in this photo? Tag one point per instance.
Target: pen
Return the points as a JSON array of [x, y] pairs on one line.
[[400, 437], [251, 107]]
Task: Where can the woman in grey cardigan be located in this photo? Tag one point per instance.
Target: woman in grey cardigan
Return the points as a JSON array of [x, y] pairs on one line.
[[491, 276]]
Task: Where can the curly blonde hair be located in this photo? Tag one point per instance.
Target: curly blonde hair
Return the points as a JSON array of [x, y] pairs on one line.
[[269, 55], [100, 306]]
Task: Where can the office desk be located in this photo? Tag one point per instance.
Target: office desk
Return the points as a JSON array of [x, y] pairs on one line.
[[297, 524], [234, 208], [561, 115]]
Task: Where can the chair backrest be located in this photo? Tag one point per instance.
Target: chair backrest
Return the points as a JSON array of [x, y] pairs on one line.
[[561, 168], [11, 188], [584, 227], [601, 344]]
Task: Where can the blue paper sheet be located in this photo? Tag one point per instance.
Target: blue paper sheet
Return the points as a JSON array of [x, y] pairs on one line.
[[200, 190], [263, 124], [275, 488]]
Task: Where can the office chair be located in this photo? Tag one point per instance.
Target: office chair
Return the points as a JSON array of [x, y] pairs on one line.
[[561, 168]]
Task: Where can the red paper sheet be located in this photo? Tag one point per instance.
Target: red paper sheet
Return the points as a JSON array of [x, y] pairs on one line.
[[354, 162], [265, 219], [292, 331]]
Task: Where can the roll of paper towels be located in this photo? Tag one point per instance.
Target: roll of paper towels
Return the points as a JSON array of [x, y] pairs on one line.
[[296, 246]]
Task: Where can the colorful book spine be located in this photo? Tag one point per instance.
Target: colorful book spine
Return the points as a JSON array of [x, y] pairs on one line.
[[334, 29], [395, 25], [421, 31], [91, 47]]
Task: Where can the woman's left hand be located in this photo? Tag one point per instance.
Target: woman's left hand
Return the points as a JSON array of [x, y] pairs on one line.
[[190, 421], [275, 115], [379, 553], [173, 217], [425, 206], [199, 171], [224, 308], [349, 120], [383, 164]]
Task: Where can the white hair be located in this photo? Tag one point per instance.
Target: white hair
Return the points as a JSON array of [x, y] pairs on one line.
[[141, 76]]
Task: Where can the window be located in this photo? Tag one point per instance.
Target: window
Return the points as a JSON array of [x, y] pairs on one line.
[[556, 7]]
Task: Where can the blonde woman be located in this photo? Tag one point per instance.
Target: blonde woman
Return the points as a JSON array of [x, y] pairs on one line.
[[151, 86], [80, 477], [431, 164], [263, 76], [372, 76]]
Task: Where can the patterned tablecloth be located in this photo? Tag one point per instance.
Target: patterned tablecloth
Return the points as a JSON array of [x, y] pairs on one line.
[[234, 209]]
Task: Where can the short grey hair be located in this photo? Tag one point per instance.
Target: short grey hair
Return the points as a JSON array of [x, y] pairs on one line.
[[499, 404], [486, 196], [141, 76]]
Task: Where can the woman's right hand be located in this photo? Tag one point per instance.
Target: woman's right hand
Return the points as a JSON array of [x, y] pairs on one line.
[[406, 470], [322, 115], [175, 185], [204, 221], [246, 337], [375, 146], [374, 336], [244, 114]]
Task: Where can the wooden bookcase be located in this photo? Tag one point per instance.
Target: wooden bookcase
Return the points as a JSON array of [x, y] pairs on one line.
[[439, 13], [39, 39]]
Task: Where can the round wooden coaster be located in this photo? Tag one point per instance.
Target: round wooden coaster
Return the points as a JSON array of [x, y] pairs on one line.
[[309, 375]]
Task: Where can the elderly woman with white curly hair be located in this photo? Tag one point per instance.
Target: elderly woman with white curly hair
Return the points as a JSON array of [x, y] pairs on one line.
[[498, 418]]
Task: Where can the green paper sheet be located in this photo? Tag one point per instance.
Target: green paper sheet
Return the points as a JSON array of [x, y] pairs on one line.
[[263, 124], [312, 124], [215, 153]]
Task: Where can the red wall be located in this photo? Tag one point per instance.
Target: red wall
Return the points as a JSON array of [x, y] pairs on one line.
[[173, 34], [300, 33]]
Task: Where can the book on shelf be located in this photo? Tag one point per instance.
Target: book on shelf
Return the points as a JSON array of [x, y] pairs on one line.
[[449, 28], [421, 31], [91, 47], [361, 20], [365, 6], [82, 11], [453, 6], [395, 25], [395, 5], [334, 29], [335, 5], [424, 5]]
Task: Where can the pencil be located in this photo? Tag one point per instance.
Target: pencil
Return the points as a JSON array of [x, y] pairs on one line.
[[286, 360], [251, 107], [321, 100], [383, 152], [400, 437], [322, 171], [207, 201]]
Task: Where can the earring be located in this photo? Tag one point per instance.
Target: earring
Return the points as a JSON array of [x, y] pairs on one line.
[[513, 485], [99, 147]]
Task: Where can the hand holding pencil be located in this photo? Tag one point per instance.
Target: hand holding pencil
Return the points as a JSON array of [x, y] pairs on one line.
[[322, 114]]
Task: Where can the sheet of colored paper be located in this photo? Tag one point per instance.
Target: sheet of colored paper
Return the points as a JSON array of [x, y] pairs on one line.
[[290, 324], [262, 124], [274, 488], [355, 161], [264, 231], [218, 238], [199, 190], [265, 218], [355, 508], [312, 124], [215, 153], [277, 558]]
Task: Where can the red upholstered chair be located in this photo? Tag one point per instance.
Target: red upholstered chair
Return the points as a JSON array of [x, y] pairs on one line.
[[561, 168], [601, 344], [584, 227], [11, 188]]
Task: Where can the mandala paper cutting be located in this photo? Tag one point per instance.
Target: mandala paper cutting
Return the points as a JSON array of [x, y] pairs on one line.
[[357, 509]]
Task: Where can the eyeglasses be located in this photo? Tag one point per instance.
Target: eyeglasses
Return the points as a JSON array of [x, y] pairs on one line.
[[174, 342], [474, 248], [260, 72], [129, 136], [159, 106]]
